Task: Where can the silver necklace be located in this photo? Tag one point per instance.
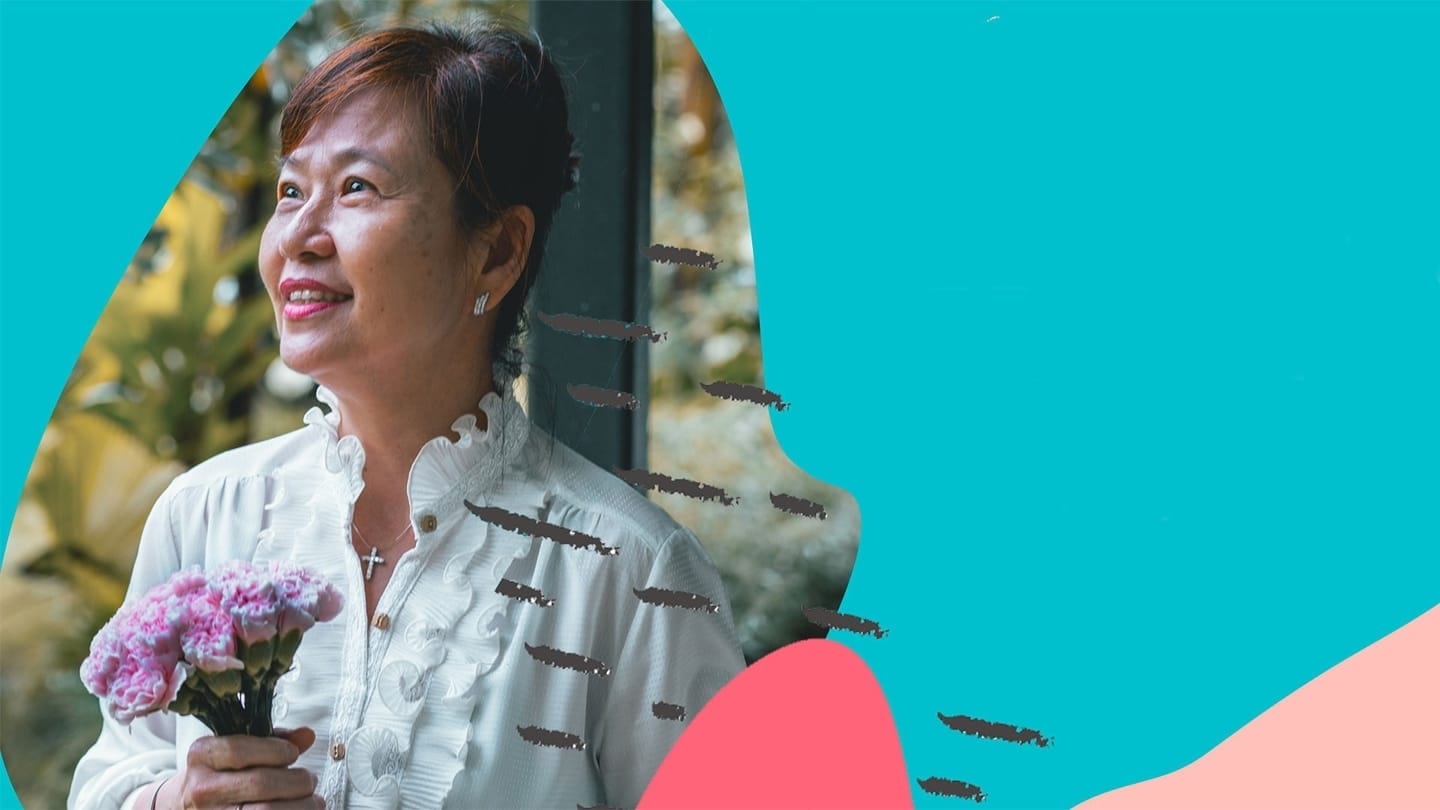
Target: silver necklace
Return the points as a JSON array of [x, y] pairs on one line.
[[373, 558]]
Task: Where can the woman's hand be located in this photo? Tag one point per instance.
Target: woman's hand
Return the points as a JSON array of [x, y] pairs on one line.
[[225, 773]]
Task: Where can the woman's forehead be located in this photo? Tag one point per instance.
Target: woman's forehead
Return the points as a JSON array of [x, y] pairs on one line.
[[373, 123]]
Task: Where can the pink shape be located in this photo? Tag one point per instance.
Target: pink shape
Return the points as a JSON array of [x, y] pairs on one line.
[[806, 726], [1363, 734]]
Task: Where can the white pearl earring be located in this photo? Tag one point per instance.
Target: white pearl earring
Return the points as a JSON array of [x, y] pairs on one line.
[[480, 304]]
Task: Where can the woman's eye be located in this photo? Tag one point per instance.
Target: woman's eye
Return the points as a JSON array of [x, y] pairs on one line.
[[289, 191], [355, 184]]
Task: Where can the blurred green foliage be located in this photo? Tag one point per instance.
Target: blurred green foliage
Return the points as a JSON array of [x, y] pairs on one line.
[[773, 563], [182, 365], [698, 200]]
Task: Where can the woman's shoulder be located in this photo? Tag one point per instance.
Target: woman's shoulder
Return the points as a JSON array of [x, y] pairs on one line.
[[258, 460], [583, 496], [217, 509]]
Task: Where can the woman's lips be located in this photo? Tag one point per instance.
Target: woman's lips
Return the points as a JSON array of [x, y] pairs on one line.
[[305, 298], [296, 310]]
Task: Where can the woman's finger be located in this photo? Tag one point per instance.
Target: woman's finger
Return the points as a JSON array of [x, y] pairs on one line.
[[236, 752], [252, 787], [302, 737], [308, 803]]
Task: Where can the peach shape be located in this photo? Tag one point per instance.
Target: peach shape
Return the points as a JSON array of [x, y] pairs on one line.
[[806, 726], [1360, 735]]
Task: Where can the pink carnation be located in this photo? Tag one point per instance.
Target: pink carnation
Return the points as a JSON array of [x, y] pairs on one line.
[[308, 598], [134, 663], [106, 653], [144, 684], [181, 585], [156, 623], [249, 597], [209, 638]]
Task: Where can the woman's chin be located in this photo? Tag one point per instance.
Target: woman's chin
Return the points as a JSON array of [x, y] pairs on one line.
[[308, 360]]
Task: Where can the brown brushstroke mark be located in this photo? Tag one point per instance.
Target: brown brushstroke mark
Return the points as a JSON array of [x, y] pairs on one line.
[[538, 528], [524, 593], [976, 727], [568, 660], [598, 327], [664, 597], [843, 621], [952, 787], [551, 738], [665, 254], [603, 397], [679, 486], [797, 506], [667, 711], [747, 393]]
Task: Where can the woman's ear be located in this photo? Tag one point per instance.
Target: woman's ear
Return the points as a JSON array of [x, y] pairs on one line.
[[504, 250]]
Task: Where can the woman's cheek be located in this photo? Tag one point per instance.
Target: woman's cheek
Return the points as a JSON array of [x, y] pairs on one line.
[[270, 260]]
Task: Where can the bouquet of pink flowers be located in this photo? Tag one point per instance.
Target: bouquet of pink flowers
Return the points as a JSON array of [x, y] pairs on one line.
[[212, 646]]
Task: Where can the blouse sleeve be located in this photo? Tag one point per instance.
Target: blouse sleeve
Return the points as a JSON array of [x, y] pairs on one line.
[[126, 758], [669, 654]]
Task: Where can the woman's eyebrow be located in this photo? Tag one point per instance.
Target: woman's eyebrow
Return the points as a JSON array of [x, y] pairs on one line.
[[352, 154]]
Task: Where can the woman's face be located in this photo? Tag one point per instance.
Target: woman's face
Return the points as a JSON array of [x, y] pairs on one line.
[[364, 262]]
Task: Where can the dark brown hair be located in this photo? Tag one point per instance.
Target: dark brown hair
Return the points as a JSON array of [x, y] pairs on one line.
[[494, 105]]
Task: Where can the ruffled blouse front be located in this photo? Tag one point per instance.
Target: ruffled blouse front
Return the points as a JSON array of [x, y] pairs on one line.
[[431, 704]]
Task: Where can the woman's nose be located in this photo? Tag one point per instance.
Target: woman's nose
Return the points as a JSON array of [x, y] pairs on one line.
[[307, 235]]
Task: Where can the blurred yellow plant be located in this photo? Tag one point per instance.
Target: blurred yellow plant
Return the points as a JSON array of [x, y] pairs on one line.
[[180, 339], [89, 492]]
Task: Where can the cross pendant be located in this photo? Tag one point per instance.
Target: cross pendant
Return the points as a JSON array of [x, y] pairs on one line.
[[371, 560]]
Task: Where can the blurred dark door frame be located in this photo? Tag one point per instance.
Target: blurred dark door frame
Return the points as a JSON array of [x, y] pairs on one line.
[[593, 265]]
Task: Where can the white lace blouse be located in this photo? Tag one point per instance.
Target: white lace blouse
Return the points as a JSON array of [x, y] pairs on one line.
[[424, 707]]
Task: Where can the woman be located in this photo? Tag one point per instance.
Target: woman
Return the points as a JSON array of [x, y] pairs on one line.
[[420, 172]]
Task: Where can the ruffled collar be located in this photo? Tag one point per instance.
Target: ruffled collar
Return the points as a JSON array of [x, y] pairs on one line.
[[446, 471]]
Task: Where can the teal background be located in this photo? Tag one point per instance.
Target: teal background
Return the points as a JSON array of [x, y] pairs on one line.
[[1129, 326], [1128, 314]]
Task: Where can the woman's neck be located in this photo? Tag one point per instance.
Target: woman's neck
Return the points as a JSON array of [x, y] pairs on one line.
[[393, 423]]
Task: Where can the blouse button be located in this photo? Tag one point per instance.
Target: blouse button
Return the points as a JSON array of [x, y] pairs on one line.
[[337, 751], [381, 621], [428, 523]]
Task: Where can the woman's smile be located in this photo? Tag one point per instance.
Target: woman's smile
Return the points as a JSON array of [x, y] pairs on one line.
[[303, 298]]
